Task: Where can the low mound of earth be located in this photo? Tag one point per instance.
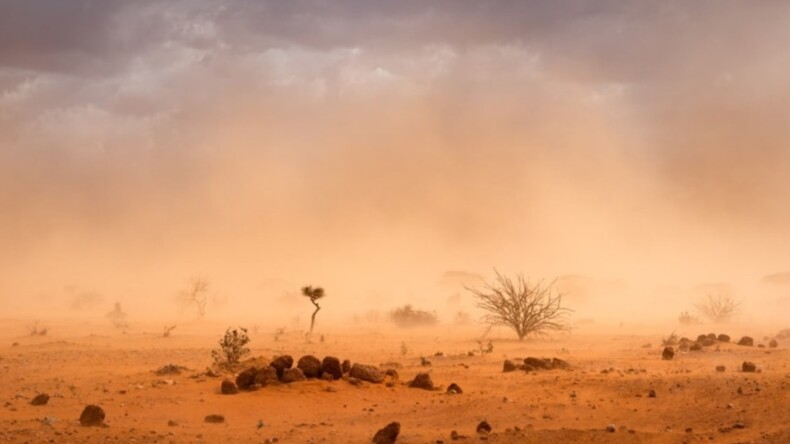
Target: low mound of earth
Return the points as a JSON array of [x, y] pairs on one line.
[[613, 389]]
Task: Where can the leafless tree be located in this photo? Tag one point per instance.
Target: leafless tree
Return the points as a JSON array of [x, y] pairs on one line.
[[314, 294], [166, 331], [527, 309], [197, 294], [719, 307]]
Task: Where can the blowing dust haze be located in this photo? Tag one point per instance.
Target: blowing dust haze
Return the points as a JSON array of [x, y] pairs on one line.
[[634, 151]]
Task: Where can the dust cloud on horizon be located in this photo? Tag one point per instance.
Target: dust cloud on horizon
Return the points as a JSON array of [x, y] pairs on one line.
[[265, 146]]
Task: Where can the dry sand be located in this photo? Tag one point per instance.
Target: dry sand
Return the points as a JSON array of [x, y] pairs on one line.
[[79, 363]]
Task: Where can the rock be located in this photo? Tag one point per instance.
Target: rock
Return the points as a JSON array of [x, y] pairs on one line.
[[422, 381], [266, 376], [367, 373], [701, 338], [749, 367], [246, 378], [668, 353], [747, 341], [332, 366], [707, 341], [228, 387], [611, 428], [293, 375], [327, 377], [711, 336], [508, 366], [310, 366], [40, 399], [354, 381], [560, 364], [171, 423], [454, 389], [346, 366], [455, 436], [720, 368], [92, 416], [723, 338], [214, 419], [695, 347], [538, 363], [483, 427], [392, 374], [773, 343], [388, 434], [281, 363], [651, 393], [528, 368]]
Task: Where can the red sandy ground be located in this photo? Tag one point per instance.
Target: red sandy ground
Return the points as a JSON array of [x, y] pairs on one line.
[[79, 364]]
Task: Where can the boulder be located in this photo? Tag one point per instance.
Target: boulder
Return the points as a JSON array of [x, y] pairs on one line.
[[749, 367], [773, 344], [246, 379], [346, 366], [92, 416], [266, 376], [720, 368], [668, 353], [723, 338], [40, 399], [508, 366], [292, 375], [422, 381], [228, 387], [214, 419], [367, 373], [454, 389], [483, 427], [538, 363], [332, 366], [696, 347], [560, 364], [747, 341], [281, 363], [388, 434], [310, 366]]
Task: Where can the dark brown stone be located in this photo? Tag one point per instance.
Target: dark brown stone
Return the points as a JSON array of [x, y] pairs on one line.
[[747, 341], [388, 434], [454, 389], [422, 381], [228, 387], [367, 373], [40, 399], [281, 363], [310, 366], [508, 366], [332, 365], [749, 367], [92, 416], [483, 427], [346, 366], [266, 376], [668, 353], [292, 375], [214, 419], [246, 378]]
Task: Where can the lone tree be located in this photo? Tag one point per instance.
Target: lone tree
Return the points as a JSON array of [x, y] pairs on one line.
[[314, 294], [527, 309], [117, 316], [196, 294], [719, 307]]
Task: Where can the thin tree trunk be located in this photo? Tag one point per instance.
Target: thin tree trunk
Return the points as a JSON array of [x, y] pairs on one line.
[[312, 320]]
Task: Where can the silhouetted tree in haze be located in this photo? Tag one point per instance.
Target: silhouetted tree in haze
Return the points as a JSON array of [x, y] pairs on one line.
[[314, 294]]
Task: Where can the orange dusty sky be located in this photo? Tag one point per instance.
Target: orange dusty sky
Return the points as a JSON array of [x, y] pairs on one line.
[[371, 146]]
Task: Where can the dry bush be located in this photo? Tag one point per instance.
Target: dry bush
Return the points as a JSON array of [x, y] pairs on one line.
[[527, 309], [719, 307], [232, 346], [196, 294], [118, 317], [36, 330], [167, 330], [408, 316], [687, 318]]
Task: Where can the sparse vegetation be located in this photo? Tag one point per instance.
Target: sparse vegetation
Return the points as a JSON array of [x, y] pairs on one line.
[[117, 316], [197, 295], [279, 332], [314, 294], [462, 318], [408, 316], [687, 318], [521, 306], [36, 330], [167, 330], [404, 349], [232, 346], [670, 340], [719, 307]]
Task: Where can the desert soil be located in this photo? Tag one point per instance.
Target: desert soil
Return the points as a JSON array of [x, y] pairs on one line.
[[78, 364]]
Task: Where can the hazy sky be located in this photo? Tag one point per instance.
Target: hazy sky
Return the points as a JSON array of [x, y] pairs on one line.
[[368, 146]]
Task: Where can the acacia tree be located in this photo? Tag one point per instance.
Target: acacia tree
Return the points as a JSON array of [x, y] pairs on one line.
[[196, 294], [525, 308], [314, 294], [719, 307]]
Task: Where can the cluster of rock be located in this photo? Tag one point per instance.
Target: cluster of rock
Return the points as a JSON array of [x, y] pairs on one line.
[[702, 341], [282, 370], [533, 364]]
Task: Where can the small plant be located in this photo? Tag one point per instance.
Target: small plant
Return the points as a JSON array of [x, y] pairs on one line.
[[117, 316], [314, 294], [408, 316], [404, 349], [167, 330], [670, 340], [36, 330], [232, 346], [719, 307], [524, 307], [687, 318], [279, 332]]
